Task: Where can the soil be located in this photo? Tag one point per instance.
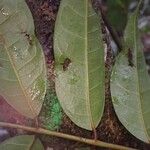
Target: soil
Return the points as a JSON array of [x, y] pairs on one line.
[[110, 129]]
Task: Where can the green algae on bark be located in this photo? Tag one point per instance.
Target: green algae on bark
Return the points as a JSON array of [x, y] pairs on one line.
[[51, 114]]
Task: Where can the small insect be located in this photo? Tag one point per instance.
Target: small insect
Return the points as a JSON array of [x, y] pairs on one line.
[[66, 64], [130, 58], [28, 37]]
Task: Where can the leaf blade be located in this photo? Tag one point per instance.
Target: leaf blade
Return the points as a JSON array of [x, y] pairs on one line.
[[22, 71], [130, 86], [79, 93], [23, 142]]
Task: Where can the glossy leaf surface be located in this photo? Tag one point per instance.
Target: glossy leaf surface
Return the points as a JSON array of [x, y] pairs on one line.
[[22, 63], [79, 56], [23, 142], [130, 85]]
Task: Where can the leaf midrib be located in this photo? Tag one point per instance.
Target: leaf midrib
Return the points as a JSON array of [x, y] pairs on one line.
[[138, 86], [86, 64], [20, 83]]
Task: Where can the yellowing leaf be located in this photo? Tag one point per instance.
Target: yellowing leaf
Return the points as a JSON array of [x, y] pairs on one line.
[[23, 142], [22, 63], [79, 56], [130, 85]]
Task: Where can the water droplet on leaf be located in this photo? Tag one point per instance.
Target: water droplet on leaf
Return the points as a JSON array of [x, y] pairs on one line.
[[4, 12], [115, 100], [73, 79]]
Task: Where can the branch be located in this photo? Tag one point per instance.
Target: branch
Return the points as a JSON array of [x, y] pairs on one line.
[[65, 136]]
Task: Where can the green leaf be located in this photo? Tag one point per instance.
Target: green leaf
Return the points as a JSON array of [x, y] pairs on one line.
[[130, 85], [23, 142], [117, 13], [22, 63], [79, 56]]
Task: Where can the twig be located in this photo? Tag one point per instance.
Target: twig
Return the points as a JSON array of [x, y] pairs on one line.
[[65, 136]]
